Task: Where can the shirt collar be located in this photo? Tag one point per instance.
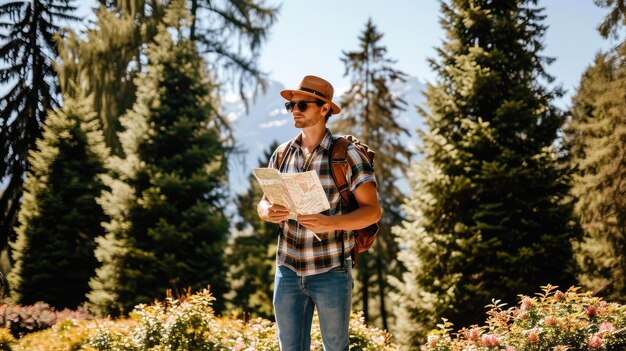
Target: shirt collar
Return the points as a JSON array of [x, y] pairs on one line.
[[326, 141]]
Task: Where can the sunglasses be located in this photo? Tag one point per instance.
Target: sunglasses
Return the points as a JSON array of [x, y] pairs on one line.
[[302, 105]]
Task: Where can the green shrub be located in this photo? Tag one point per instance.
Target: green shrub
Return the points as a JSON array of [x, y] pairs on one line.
[[185, 324], [6, 340], [67, 335], [553, 320]]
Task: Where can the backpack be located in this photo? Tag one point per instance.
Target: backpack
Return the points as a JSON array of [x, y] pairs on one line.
[[363, 238]]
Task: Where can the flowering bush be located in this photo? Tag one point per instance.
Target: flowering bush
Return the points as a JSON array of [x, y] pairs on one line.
[[21, 320], [67, 335], [183, 324], [553, 320], [364, 338]]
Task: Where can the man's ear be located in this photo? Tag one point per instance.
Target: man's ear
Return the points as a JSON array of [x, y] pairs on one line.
[[325, 109]]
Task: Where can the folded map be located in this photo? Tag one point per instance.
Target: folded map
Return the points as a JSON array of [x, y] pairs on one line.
[[302, 193]]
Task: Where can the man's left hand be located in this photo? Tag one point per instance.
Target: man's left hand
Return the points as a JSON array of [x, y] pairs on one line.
[[317, 223]]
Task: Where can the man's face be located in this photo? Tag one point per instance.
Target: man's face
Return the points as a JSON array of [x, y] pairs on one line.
[[312, 114]]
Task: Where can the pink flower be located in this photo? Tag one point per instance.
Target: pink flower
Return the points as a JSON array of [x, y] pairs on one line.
[[526, 303], [473, 334], [595, 341], [432, 340], [510, 348], [607, 327], [490, 340], [603, 308], [591, 310], [558, 295], [550, 320], [532, 336]]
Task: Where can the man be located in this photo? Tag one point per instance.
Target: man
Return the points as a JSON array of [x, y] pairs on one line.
[[311, 272]]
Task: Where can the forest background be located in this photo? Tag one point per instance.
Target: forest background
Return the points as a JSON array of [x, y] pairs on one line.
[[499, 128]]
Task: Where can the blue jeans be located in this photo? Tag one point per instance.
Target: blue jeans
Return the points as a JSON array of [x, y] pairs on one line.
[[295, 298]]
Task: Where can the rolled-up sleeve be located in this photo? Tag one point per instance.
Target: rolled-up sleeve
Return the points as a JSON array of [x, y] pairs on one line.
[[360, 170]]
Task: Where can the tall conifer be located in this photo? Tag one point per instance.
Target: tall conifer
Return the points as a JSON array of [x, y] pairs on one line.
[[597, 134], [369, 111], [28, 47], [229, 34], [488, 217], [167, 228], [59, 219]]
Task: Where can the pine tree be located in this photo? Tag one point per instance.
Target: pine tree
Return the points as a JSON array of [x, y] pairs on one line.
[[615, 19], [113, 53], [252, 254], [599, 128], [597, 133], [489, 215], [59, 219], [242, 26], [369, 111], [167, 228], [28, 48], [110, 55]]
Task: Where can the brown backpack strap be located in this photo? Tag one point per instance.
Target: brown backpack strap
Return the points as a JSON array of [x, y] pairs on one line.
[[339, 167], [338, 163]]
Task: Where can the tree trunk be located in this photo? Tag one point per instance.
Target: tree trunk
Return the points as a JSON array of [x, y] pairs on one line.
[[364, 285], [381, 290]]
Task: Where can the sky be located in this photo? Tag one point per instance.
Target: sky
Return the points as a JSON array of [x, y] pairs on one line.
[[309, 38]]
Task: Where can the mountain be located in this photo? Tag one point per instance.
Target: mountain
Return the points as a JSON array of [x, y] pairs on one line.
[[268, 121]]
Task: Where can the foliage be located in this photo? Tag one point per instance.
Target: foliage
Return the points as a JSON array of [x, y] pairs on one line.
[[28, 48], [597, 131], [112, 52], [6, 340], [59, 218], [102, 64], [22, 320], [369, 111], [231, 33], [251, 255], [490, 212], [184, 324], [552, 320], [68, 335], [167, 229], [614, 20]]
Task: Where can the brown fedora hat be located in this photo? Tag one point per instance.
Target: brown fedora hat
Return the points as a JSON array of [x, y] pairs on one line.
[[316, 87]]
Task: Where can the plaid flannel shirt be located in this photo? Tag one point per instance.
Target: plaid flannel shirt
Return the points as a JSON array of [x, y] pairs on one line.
[[298, 249]]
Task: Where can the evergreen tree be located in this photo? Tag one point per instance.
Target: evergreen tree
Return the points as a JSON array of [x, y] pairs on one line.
[[28, 48], [615, 19], [597, 134], [252, 254], [231, 33], [369, 111], [59, 219], [106, 55], [167, 228], [489, 216], [113, 52]]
